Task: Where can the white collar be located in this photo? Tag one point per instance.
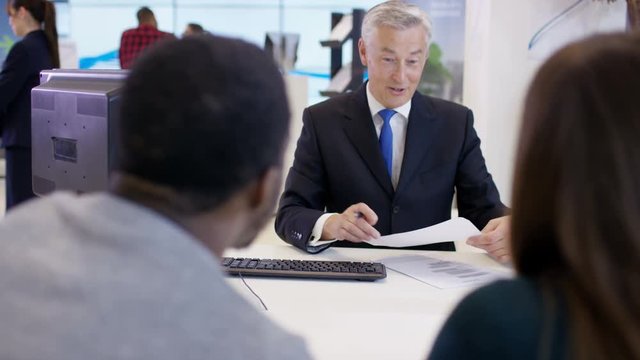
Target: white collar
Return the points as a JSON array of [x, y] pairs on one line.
[[375, 106]]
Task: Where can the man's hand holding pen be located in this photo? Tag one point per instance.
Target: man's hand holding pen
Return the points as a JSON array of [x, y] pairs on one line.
[[355, 224]]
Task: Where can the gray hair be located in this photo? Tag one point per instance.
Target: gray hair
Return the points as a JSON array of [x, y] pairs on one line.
[[398, 15]]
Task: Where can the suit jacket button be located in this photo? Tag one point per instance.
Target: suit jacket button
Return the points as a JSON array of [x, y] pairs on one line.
[[396, 209]]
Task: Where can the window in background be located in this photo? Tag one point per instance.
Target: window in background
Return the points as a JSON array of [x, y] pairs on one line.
[[96, 26]]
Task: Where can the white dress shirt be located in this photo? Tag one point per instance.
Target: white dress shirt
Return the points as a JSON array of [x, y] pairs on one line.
[[399, 122]]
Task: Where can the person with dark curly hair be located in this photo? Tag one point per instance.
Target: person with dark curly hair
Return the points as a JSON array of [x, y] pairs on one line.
[[134, 273]]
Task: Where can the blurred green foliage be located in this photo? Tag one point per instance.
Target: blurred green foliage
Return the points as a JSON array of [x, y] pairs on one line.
[[6, 44], [435, 74]]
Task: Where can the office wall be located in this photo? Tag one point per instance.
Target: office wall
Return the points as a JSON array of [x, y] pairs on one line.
[[499, 64]]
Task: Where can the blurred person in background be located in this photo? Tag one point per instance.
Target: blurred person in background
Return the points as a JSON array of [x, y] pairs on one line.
[[35, 22], [134, 41], [193, 29]]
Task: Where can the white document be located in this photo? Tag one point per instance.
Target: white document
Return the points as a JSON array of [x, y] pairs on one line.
[[442, 274], [456, 229]]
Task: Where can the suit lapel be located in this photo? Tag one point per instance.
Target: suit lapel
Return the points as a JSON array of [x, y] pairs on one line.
[[421, 132], [360, 130]]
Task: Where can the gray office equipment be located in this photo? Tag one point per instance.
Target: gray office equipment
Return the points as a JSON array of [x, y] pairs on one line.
[[72, 128]]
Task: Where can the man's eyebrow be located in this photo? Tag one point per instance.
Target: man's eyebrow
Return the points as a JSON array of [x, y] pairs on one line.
[[390, 51]]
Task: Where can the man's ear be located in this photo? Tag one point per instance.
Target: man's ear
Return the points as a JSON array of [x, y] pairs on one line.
[[265, 188], [427, 55], [362, 51]]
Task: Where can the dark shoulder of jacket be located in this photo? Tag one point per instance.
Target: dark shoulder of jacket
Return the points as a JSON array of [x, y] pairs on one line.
[[17, 47], [35, 40], [335, 103], [446, 108]]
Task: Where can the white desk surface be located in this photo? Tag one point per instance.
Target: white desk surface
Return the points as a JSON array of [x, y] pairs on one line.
[[394, 318]]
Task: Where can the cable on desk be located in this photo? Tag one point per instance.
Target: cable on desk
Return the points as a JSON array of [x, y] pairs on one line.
[[253, 292]]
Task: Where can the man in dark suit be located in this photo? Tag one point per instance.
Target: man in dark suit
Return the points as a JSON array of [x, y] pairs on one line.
[[386, 159]]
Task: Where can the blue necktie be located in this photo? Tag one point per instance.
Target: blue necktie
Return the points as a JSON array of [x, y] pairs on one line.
[[386, 138]]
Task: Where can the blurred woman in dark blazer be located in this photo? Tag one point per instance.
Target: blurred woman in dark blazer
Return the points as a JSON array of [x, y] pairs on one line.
[[35, 22], [576, 219]]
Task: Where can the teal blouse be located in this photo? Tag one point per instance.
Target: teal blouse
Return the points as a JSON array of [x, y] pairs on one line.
[[508, 319]]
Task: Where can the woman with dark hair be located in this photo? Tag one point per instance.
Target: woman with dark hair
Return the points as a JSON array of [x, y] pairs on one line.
[[35, 22], [575, 226]]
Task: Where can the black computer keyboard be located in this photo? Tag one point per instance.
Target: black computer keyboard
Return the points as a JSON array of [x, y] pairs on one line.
[[313, 269]]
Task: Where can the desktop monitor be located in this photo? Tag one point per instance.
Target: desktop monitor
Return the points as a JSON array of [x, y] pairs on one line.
[[73, 115], [283, 48]]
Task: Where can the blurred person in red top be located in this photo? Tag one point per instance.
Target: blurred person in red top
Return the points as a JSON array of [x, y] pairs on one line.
[[133, 41]]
